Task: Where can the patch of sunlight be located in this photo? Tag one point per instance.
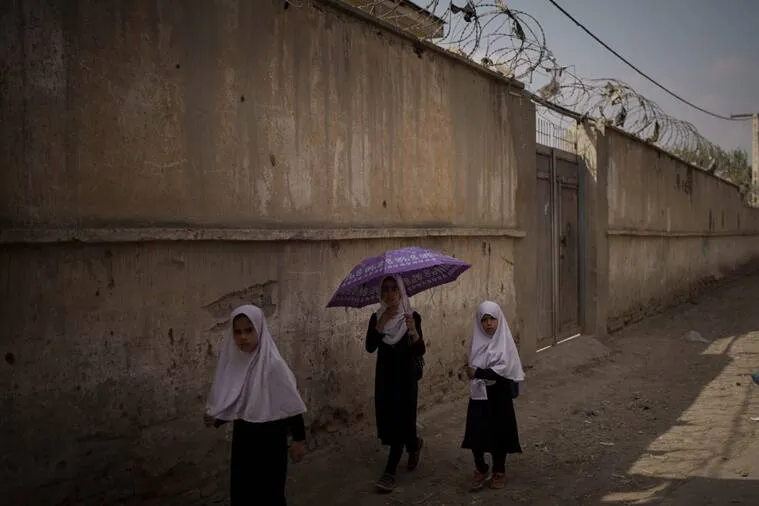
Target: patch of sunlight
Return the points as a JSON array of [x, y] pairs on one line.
[[640, 497], [713, 436], [719, 346]]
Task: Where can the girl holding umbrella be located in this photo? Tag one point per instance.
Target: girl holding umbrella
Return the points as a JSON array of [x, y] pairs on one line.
[[395, 333]]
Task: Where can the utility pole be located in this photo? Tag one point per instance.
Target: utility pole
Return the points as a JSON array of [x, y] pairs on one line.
[[754, 198]]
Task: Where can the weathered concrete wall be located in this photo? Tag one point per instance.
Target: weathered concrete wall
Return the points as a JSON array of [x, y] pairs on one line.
[[671, 228], [110, 350], [244, 114], [241, 124]]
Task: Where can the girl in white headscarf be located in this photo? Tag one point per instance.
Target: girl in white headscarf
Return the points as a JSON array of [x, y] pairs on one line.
[[494, 371], [255, 389], [395, 332]]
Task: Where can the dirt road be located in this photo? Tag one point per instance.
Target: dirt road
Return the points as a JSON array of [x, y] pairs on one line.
[[643, 417]]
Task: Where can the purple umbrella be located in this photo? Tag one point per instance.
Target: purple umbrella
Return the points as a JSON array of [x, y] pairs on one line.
[[419, 268]]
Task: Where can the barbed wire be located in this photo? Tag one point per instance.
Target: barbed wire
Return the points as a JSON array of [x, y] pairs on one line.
[[513, 43]]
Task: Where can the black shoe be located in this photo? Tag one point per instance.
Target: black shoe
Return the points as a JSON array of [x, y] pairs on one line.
[[386, 483], [413, 457]]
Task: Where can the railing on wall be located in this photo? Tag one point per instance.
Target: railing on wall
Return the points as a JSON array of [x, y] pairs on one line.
[[553, 135]]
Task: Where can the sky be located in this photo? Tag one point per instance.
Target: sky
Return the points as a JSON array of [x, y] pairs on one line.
[[705, 51]]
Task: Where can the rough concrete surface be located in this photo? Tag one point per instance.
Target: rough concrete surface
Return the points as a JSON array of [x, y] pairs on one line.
[[648, 419], [671, 226], [247, 114], [110, 351]]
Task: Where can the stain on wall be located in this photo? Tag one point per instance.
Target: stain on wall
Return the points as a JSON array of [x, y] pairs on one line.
[[263, 295]]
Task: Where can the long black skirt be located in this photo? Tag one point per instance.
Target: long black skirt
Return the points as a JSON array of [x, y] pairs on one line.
[[491, 425], [258, 464]]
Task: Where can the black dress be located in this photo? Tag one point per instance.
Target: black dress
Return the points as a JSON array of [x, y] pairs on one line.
[[258, 466], [491, 425], [396, 385]]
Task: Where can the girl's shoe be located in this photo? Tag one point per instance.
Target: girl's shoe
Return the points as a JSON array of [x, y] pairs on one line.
[[478, 480], [386, 483], [499, 481]]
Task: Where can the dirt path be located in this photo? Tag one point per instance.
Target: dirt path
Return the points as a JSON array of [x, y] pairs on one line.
[[643, 418]]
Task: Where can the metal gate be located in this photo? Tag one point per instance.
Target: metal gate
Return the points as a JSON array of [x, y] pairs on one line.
[[559, 229]]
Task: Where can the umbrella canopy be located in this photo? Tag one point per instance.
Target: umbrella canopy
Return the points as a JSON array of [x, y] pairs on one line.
[[420, 269]]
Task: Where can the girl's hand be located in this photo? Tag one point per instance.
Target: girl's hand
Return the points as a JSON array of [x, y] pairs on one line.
[[208, 420], [470, 372], [410, 323], [297, 451]]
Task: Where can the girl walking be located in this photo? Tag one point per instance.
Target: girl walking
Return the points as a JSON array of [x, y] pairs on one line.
[[494, 370], [395, 333], [255, 389]]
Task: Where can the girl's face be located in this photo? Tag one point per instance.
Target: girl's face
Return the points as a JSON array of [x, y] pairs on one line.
[[391, 292], [246, 337], [489, 324]]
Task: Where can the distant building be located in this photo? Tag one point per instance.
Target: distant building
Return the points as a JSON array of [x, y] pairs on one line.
[[404, 14]]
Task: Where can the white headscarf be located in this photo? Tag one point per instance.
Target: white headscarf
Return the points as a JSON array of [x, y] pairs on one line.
[[395, 328], [255, 387], [497, 352]]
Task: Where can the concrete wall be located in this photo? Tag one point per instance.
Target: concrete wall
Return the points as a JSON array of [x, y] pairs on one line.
[[162, 164], [671, 227], [114, 348], [241, 114]]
